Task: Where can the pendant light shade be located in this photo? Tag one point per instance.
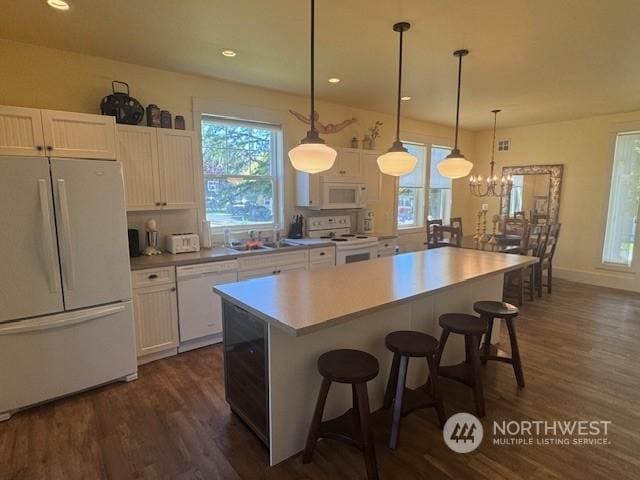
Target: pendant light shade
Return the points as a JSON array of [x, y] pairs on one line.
[[455, 165], [312, 155], [398, 161]]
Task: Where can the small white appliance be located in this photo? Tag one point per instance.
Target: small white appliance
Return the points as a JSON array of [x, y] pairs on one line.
[[66, 319], [366, 221], [199, 309], [205, 234], [183, 242], [340, 193], [349, 246]]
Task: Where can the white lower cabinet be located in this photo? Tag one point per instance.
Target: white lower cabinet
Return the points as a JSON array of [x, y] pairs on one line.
[[387, 248], [155, 310], [272, 264], [322, 257]]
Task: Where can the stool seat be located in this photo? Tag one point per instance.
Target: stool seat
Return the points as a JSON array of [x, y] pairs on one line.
[[411, 344], [348, 366], [496, 309], [463, 323]]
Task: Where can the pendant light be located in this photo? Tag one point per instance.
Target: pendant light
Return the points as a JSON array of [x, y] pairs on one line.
[[398, 161], [312, 155], [455, 165], [491, 190]]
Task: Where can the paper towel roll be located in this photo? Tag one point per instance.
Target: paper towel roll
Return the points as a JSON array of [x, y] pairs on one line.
[[205, 234]]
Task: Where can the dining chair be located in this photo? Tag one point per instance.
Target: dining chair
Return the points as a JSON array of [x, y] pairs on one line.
[[432, 241], [457, 222], [454, 238], [520, 214], [538, 218], [546, 253], [516, 278], [514, 226]]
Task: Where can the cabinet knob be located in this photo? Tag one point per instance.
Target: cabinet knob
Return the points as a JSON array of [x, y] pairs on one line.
[[322, 254], [164, 204], [39, 148], [49, 147], [152, 276], [173, 289], [158, 204]]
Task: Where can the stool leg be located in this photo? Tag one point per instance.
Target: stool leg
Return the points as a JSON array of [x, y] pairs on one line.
[[397, 403], [312, 438], [477, 378], [532, 281], [366, 432], [443, 340], [515, 352], [486, 347], [435, 391], [391, 382]]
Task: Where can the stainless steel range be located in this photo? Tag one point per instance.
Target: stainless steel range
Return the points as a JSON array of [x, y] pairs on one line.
[[350, 247]]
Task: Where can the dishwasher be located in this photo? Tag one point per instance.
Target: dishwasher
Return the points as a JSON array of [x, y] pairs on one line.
[[199, 308]]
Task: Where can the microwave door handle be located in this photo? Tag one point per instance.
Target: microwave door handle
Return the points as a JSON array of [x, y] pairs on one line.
[[48, 235], [69, 271]]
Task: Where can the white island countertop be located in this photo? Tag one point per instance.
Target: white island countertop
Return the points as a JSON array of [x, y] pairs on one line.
[[306, 301]]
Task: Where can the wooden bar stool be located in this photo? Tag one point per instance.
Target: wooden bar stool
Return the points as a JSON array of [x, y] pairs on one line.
[[467, 372], [489, 310], [353, 427], [404, 345]]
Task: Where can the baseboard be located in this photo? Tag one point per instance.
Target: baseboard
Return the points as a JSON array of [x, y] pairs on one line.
[[608, 279], [152, 357], [200, 342], [5, 416]]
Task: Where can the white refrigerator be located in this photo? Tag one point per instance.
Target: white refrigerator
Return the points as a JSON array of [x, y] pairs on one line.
[[66, 321]]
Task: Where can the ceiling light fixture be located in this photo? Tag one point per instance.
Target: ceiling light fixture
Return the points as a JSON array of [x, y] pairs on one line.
[[405, 98], [398, 161], [229, 53], [506, 183], [312, 155], [58, 4], [455, 165], [334, 80]]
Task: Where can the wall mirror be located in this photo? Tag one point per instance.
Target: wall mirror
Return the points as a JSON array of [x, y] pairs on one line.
[[535, 194]]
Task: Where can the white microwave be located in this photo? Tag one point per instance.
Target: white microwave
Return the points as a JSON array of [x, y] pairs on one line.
[[338, 193]]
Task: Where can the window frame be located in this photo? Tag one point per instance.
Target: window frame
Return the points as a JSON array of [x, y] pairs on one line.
[[428, 144], [619, 129], [235, 112]]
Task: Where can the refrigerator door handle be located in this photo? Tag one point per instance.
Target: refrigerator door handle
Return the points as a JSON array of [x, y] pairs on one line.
[[48, 235], [59, 321], [69, 271]]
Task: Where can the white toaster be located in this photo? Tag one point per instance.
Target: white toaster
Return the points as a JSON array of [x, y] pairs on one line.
[[183, 242]]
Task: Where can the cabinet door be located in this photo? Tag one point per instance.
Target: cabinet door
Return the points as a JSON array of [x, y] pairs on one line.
[[373, 176], [138, 152], [79, 135], [322, 264], [156, 318], [349, 163], [21, 132], [177, 154], [296, 267]]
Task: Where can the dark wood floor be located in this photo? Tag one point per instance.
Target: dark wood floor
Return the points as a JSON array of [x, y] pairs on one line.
[[580, 349]]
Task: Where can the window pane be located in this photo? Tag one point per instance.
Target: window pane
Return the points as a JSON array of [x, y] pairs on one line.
[[437, 155], [237, 201], [410, 207], [623, 201], [417, 177]]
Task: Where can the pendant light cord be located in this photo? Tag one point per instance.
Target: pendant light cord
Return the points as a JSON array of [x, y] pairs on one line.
[[312, 120], [458, 100], [399, 91]]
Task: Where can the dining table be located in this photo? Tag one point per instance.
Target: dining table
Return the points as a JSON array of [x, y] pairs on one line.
[[504, 243]]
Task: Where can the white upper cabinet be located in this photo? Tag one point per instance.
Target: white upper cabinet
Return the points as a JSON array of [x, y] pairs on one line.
[[21, 132], [138, 152], [373, 176], [34, 132], [160, 167], [177, 155], [348, 163], [79, 135]]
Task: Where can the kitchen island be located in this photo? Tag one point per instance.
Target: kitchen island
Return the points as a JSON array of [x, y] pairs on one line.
[[275, 328]]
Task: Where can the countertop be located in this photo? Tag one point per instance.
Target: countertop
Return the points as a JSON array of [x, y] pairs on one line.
[[215, 254], [306, 301]]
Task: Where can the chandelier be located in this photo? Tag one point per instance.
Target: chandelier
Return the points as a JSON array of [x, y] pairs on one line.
[[493, 187]]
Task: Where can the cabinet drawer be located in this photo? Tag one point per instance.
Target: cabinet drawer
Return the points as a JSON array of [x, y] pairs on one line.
[[152, 276], [322, 264], [321, 254], [272, 260]]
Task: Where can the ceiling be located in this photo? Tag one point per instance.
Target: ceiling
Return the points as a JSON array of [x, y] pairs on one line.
[[538, 60]]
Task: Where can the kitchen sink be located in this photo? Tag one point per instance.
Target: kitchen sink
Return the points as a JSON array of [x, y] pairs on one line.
[[279, 246], [243, 248]]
